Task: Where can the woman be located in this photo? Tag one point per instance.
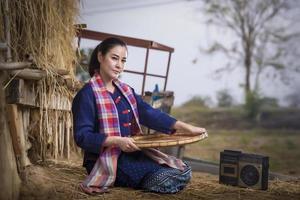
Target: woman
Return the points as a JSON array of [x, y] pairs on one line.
[[105, 113]]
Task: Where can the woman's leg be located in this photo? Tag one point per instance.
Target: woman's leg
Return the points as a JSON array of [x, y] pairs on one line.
[[167, 180], [89, 166]]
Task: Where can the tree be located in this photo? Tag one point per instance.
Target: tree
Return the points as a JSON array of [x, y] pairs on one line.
[[82, 71], [263, 37], [198, 101], [293, 99], [224, 98]]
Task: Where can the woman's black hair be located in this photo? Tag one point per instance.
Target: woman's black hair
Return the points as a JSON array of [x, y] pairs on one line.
[[103, 47]]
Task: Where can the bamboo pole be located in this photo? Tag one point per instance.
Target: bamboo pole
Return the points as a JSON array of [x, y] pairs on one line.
[[14, 65], [62, 138], [56, 136], [31, 74], [68, 128], [7, 32]]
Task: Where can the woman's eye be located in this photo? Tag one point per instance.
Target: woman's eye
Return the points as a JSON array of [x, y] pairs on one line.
[[123, 61], [114, 58]]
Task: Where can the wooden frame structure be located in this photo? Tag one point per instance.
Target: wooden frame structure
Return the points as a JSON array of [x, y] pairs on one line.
[[147, 44]]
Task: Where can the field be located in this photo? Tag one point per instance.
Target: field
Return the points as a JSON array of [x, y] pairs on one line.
[[60, 180], [282, 147], [273, 132]]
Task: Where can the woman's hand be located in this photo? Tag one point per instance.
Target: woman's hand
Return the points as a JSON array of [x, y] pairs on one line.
[[179, 125], [126, 144]]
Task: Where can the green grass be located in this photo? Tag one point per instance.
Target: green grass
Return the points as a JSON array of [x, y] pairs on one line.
[[282, 147]]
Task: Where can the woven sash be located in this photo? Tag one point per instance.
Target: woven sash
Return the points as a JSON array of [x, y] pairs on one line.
[[104, 172]]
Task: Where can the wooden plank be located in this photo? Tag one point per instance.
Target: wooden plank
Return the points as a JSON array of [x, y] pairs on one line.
[[20, 92], [14, 65], [10, 180], [13, 120], [17, 135], [100, 36], [23, 92], [23, 132], [30, 74]]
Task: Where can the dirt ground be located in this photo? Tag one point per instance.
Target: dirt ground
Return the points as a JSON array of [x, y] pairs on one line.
[[60, 181]]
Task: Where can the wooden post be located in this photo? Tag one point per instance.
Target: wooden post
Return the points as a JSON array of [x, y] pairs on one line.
[[67, 137], [9, 178], [17, 135]]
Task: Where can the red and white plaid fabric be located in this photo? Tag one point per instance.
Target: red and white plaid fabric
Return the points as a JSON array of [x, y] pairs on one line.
[[104, 172]]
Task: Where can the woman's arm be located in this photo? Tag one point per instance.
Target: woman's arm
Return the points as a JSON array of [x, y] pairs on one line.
[[86, 131], [160, 121], [154, 118]]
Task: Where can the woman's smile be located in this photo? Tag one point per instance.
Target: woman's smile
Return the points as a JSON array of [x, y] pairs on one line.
[[116, 72]]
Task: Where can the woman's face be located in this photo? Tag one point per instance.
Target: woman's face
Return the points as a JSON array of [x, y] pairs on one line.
[[112, 63]]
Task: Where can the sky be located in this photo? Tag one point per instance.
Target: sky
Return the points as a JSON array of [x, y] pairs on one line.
[[178, 24]]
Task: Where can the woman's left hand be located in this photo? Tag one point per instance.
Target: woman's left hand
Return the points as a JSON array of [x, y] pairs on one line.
[[179, 125], [195, 129]]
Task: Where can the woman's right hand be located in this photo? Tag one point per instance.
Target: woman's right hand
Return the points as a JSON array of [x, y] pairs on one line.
[[126, 144]]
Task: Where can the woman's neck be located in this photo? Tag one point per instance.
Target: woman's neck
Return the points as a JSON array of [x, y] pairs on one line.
[[107, 82]]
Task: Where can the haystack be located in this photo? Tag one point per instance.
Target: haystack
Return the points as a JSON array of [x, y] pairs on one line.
[[37, 59]]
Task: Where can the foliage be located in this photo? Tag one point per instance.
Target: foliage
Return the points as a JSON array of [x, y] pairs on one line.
[[83, 57], [268, 103], [255, 104], [263, 37], [293, 98], [198, 101], [267, 116], [224, 98], [252, 105]]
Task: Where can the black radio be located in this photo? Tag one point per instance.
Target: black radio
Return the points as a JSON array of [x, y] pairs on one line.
[[245, 170]]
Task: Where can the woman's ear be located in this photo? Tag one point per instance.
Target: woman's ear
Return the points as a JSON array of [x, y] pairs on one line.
[[99, 57]]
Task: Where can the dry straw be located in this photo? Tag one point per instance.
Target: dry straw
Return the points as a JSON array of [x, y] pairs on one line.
[[64, 179], [43, 32]]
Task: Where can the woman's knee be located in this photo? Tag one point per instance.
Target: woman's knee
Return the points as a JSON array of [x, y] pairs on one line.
[[171, 183]]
